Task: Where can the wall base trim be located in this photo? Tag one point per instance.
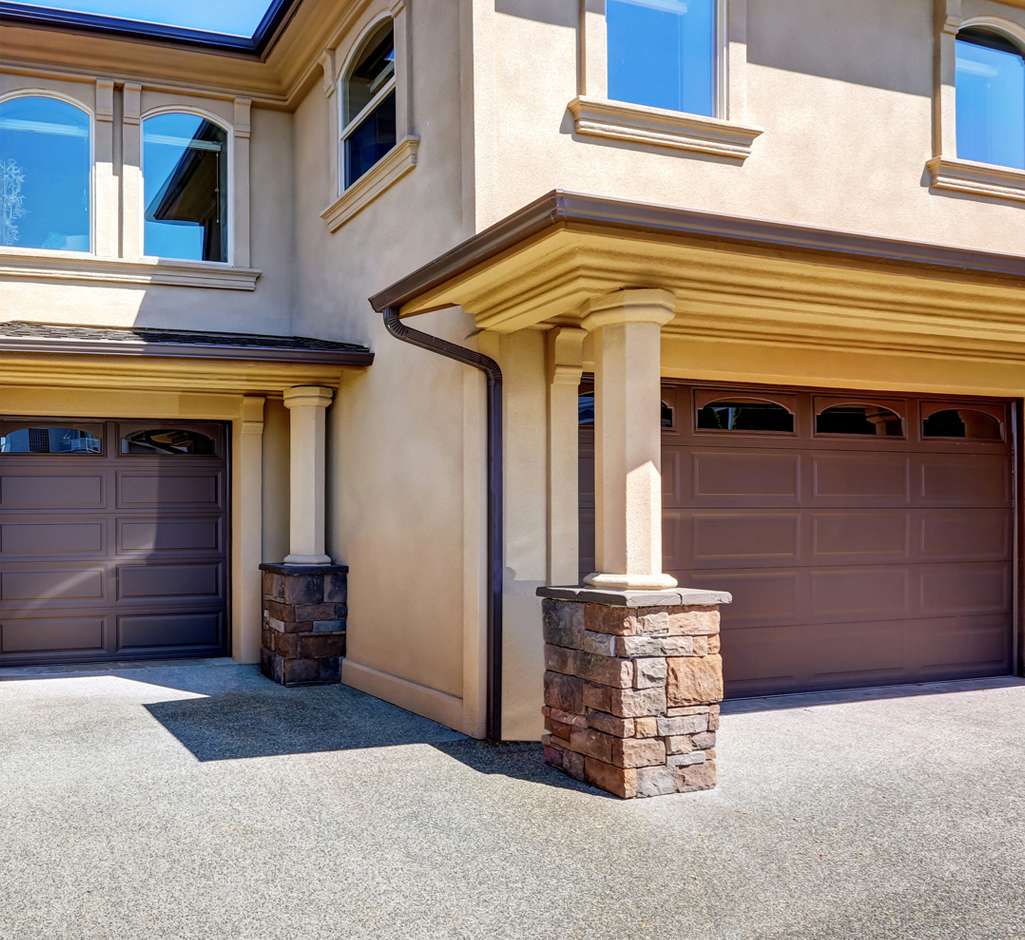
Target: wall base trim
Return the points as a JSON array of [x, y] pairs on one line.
[[438, 706]]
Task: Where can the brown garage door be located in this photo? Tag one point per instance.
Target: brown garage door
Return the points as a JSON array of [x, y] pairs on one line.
[[867, 539], [113, 540]]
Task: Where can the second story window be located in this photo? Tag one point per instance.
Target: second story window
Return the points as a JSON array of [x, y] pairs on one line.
[[662, 53], [990, 99], [185, 177], [368, 124], [45, 174]]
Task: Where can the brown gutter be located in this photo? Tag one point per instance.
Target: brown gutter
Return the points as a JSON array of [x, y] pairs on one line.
[[559, 208], [255, 353]]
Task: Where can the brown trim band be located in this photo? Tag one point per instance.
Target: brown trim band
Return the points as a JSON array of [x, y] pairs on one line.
[[559, 208], [87, 347]]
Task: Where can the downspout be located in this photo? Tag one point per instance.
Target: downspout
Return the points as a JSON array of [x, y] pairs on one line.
[[495, 539]]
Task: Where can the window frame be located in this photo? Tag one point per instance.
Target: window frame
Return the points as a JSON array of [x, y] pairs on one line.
[[90, 112], [87, 425], [897, 407], [346, 130], [947, 172], [230, 208], [728, 135]]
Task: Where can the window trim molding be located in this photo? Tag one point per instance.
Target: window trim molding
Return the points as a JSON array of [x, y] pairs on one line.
[[394, 165], [79, 266], [727, 134], [94, 117], [140, 211], [947, 172]]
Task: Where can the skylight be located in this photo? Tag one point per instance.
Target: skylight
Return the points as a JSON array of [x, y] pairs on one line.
[[240, 18]]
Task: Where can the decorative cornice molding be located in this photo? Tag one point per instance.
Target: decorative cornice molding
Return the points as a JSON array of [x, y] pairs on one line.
[[657, 127], [385, 173], [243, 117], [65, 266], [977, 179]]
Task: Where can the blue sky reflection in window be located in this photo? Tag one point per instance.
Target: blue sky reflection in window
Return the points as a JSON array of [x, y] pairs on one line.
[[662, 53], [44, 174], [990, 100]]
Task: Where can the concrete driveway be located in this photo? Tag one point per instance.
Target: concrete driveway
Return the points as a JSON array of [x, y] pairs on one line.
[[201, 801]]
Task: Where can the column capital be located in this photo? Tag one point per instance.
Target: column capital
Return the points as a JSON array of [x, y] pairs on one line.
[[638, 305], [309, 396]]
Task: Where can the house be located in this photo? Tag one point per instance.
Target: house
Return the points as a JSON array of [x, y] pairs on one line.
[[671, 300]]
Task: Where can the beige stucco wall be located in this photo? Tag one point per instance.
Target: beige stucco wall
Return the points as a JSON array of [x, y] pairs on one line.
[[405, 435], [843, 92]]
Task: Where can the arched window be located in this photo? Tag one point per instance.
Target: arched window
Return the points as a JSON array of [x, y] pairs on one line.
[[866, 419], [185, 179], [45, 174], [966, 423], [169, 442], [744, 414], [367, 103], [990, 99], [663, 54]]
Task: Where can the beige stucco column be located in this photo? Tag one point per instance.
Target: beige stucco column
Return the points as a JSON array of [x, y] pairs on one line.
[[307, 405], [565, 369], [627, 329]]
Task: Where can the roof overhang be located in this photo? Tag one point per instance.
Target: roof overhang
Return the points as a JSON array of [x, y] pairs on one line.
[[732, 277], [95, 357], [257, 45]]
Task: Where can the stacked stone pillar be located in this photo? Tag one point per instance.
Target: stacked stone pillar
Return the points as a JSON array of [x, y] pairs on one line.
[[304, 619], [633, 682]]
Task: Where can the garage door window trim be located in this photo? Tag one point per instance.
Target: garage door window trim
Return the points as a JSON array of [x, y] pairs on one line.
[[715, 413], [40, 438]]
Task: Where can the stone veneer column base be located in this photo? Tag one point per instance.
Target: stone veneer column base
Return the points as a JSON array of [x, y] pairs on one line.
[[304, 616], [633, 681]]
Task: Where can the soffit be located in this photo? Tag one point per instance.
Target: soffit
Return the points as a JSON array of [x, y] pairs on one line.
[[735, 290]]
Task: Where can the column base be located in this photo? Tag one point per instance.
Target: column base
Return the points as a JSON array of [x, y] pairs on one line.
[[604, 581], [304, 621], [632, 688], [307, 560]]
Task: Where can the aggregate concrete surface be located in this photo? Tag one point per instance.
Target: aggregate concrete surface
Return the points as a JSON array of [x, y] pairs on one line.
[[203, 801]]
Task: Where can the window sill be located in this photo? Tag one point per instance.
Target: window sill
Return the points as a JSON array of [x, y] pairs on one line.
[[977, 179], [388, 170], [74, 266], [657, 127]]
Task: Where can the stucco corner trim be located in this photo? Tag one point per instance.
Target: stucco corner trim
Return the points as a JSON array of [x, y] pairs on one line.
[[385, 173], [657, 127], [977, 179], [69, 266]]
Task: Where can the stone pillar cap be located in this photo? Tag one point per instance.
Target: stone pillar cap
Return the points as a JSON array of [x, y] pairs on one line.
[[676, 597]]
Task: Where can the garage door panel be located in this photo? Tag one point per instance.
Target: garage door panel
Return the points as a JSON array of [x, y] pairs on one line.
[[148, 490], [852, 653], [147, 631], [83, 634], [201, 534], [849, 479], [759, 597], [860, 593], [745, 478], [950, 646], [113, 554], [156, 581], [52, 585], [966, 589], [759, 659], [965, 480], [52, 491], [852, 536], [964, 534], [52, 538], [723, 538]]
